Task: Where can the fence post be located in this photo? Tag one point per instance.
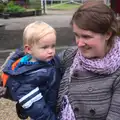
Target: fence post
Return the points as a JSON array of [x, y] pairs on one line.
[[44, 6]]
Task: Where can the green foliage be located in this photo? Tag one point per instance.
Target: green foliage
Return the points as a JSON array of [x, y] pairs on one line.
[[13, 8], [2, 6], [11, 4], [64, 6]]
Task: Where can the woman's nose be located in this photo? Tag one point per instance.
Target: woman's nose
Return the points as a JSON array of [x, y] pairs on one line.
[[80, 43]]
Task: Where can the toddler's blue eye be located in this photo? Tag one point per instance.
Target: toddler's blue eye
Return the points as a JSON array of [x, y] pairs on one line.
[[45, 47]]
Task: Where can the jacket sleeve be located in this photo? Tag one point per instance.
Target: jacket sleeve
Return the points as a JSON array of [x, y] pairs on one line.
[[2, 91], [32, 102], [66, 58], [114, 110]]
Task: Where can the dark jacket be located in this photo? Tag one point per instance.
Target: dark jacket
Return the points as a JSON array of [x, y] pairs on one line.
[[34, 86]]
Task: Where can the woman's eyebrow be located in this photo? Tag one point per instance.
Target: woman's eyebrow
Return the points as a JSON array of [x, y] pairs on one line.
[[84, 35], [75, 33]]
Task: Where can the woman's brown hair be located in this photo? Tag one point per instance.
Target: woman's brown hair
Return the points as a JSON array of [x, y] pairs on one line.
[[96, 17]]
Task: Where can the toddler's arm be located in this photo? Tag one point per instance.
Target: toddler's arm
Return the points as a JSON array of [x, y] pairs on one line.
[[33, 102]]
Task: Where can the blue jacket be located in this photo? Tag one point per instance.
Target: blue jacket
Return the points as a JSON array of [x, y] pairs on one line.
[[34, 86]]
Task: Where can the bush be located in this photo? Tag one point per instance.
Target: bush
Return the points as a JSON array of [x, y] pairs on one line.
[[2, 6], [12, 8]]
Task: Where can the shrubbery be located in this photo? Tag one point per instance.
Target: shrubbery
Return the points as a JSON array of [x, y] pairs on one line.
[[11, 7], [2, 6]]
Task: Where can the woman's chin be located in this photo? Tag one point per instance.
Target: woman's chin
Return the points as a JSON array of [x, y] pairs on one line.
[[87, 55]]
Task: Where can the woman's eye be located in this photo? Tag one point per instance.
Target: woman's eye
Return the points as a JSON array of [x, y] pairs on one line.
[[86, 37]]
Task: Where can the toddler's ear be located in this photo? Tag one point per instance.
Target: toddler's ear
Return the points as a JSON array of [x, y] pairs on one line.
[[27, 49]]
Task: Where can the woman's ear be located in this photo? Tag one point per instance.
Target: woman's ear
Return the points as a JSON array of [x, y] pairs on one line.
[[108, 35], [27, 49]]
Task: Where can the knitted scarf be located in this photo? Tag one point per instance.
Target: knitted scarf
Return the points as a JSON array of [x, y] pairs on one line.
[[107, 65]]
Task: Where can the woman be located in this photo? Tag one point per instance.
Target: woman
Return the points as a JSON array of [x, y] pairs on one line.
[[90, 88]]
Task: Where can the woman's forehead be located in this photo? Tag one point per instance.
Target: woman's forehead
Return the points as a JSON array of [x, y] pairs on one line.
[[78, 30]]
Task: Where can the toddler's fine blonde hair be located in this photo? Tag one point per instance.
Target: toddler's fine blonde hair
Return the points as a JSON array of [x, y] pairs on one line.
[[35, 31]]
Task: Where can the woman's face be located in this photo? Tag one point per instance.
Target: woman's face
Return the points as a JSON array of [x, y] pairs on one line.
[[91, 45]]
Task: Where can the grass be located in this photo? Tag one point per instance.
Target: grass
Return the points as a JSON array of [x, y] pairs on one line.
[[63, 6]]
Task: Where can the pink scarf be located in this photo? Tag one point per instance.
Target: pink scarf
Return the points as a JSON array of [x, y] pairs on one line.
[[107, 65]]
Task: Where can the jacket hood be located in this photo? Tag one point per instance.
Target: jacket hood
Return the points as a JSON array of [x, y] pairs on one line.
[[24, 68]]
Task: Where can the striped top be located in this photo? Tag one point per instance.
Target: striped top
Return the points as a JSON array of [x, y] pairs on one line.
[[92, 96]]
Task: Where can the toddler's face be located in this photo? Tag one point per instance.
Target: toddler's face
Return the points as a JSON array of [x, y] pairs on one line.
[[44, 49]]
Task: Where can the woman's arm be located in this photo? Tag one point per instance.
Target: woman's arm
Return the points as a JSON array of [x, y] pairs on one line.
[[114, 110], [31, 100], [66, 57]]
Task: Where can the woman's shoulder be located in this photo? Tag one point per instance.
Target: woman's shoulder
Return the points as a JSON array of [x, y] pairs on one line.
[[66, 57], [115, 76], [117, 72], [69, 52]]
